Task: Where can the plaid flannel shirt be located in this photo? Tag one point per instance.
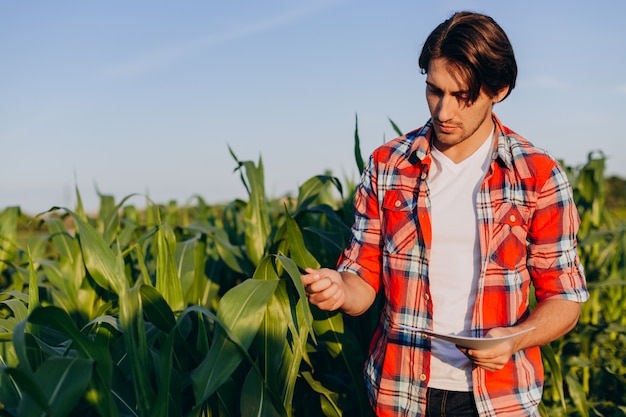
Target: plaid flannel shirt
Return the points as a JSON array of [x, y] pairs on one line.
[[527, 232]]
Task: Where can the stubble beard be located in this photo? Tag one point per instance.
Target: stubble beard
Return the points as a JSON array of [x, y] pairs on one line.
[[444, 141]]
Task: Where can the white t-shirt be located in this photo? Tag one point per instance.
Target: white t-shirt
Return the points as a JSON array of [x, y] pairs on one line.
[[454, 259]]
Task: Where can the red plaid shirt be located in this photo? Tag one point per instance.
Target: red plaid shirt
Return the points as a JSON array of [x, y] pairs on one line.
[[527, 232]]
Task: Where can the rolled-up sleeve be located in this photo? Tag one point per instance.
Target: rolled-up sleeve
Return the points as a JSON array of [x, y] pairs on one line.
[[363, 255], [553, 260]]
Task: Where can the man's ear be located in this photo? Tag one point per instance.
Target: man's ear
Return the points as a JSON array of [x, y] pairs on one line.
[[501, 95]]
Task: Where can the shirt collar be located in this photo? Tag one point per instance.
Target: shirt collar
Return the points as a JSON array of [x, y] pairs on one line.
[[421, 147], [502, 151]]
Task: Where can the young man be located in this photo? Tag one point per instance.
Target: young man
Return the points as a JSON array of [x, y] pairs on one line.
[[454, 222]]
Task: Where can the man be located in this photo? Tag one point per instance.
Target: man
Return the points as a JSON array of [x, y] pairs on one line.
[[454, 222]]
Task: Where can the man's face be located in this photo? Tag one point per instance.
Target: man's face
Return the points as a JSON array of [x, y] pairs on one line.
[[460, 127]]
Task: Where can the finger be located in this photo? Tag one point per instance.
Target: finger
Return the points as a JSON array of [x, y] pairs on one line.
[[329, 299], [310, 278], [322, 284]]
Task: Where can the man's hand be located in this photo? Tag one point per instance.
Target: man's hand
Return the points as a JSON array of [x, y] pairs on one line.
[[551, 319], [331, 290], [324, 288], [495, 357]]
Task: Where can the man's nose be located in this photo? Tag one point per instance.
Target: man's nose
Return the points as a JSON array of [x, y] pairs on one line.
[[446, 108]]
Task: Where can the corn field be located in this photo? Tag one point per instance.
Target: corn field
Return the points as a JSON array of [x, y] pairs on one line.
[[198, 310]]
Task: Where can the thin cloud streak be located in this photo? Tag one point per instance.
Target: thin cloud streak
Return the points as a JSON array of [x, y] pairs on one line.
[[167, 55], [545, 81]]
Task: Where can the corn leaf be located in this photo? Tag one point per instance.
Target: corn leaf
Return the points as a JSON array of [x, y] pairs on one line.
[[59, 320], [32, 393], [105, 265], [577, 394], [166, 396], [139, 361], [21, 346], [297, 249], [255, 399], [549, 355], [63, 242], [395, 127], [156, 309], [329, 399], [294, 274], [316, 191], [257, 223], [232, 255], [357, 146], [63, 382], [241, 310], [168, 280], [33, 285]]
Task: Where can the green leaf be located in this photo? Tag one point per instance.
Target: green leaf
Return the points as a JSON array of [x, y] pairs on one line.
[[232, 255], [10, 393], [63, 382], [32, 393], [59, 320], [241, 311], [296, 279], [21, 347], [550, 356], [105, 265], [297, 249], [109, 213], [139, 356], [329, 399], [316, 191], [33, 285], [395, 127], [257, 224], [156, 309], [255, 399], [168, 280], [357, 146], [63, 242], [17, 307], [577, 395]]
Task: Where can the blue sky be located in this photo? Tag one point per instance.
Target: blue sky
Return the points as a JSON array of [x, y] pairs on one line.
[[146, 96]]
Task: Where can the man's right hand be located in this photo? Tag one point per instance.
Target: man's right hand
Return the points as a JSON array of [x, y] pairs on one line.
[[330, 290], [324, 288]]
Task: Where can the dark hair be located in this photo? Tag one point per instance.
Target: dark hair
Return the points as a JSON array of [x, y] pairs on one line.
[[479, 50]]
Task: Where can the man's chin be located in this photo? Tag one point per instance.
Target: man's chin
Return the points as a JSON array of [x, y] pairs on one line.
[[445, 139]]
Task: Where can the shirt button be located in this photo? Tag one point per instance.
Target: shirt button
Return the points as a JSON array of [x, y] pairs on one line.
[[398, 203], [423, 176], [512, 218], [423, 377], [424, 336], [426, 297]]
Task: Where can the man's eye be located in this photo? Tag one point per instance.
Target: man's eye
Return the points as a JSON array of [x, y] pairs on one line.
[[462, 99]]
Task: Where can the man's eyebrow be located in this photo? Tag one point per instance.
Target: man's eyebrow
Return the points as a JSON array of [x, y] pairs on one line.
[[457, 93]]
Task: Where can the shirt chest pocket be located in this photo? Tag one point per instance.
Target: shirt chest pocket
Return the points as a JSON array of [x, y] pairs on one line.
[[509, 236], [398, 222]]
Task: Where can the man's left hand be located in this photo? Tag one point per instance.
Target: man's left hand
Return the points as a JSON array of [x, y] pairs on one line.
[[495, 357]]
